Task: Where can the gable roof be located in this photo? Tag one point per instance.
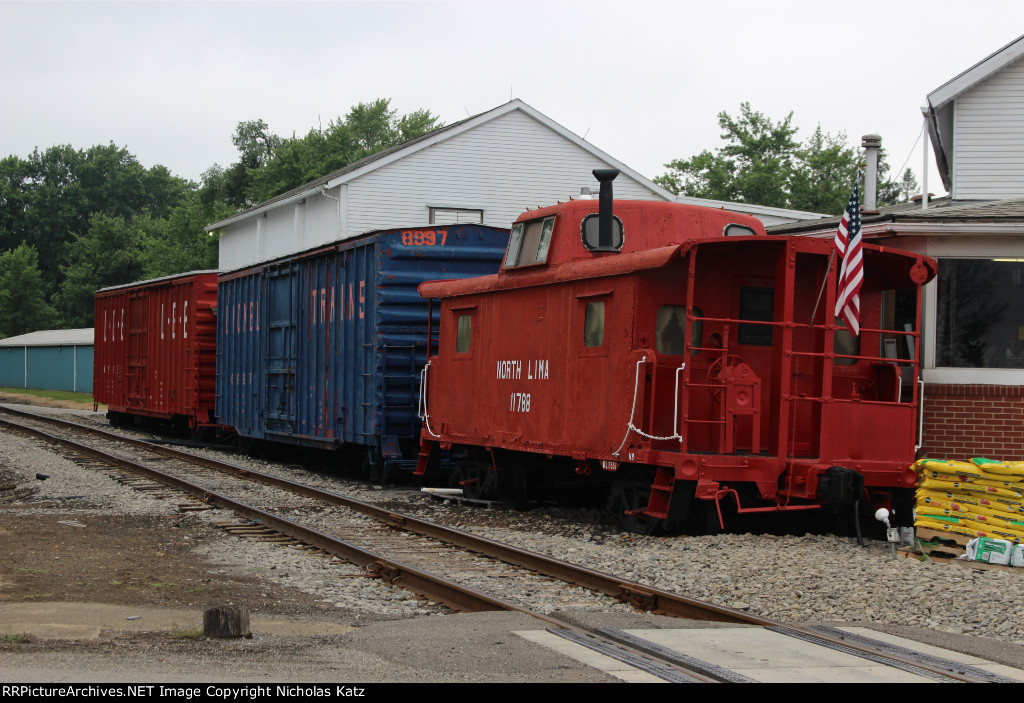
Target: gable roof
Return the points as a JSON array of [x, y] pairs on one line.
[[939, 110], [388, 156], [51, 338]]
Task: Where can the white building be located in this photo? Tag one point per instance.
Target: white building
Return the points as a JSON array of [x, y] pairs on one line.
[[976, 124], [488, 169]]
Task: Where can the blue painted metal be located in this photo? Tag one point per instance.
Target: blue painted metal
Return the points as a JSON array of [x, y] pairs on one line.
[[325, 347]]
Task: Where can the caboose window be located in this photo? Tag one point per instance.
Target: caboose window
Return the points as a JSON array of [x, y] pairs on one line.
[[529, 243], [669, 332], [845, 344], [593, 325], [464, 333], [756, 303], [590, 233]]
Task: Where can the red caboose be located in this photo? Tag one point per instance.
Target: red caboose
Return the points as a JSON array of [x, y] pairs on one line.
[[684, 356], [156, 350]]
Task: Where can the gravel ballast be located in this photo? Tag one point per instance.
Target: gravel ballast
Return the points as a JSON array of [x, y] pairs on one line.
[[796, 578]]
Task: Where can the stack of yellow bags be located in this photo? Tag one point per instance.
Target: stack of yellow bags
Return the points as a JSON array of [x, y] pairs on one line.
[[979, 498]]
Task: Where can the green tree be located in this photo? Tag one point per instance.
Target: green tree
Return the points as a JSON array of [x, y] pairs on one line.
[[367, 129], [49, 199], [23, 307], [179, 242], [108, 254], [823, 175], [752, 167], [256, 146], [763, 164]]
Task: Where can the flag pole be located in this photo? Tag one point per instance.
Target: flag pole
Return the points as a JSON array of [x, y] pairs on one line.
[[831, 260]]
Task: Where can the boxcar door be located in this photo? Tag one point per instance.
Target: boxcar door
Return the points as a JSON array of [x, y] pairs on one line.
[[282, 343], [138, 318]]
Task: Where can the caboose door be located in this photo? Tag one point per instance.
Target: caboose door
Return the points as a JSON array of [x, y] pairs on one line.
[[282, 343]]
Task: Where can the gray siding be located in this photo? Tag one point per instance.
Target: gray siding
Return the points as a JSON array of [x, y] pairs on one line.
[[988, 161]]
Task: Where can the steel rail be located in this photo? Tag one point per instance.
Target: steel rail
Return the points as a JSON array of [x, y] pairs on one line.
[[640, 596]]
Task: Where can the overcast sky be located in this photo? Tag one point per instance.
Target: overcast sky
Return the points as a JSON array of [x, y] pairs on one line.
[[642, 80]]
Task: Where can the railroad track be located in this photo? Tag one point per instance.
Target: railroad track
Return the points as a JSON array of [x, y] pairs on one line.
[[460, 570]]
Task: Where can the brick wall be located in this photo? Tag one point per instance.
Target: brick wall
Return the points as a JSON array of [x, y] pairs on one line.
[[964, 421]]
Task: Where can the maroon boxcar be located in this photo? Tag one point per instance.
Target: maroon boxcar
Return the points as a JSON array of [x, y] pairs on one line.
[[683, 356], [155, 350]]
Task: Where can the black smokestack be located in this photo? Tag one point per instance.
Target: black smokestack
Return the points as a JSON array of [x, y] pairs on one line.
[[605, 176]]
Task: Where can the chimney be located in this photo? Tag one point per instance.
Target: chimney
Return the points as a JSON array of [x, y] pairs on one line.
[[605, 176], [871, 143]]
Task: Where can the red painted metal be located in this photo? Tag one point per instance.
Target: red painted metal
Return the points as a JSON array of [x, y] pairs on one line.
[[155, 348], [719, 370]]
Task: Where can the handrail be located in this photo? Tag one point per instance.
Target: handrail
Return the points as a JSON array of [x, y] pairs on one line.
[[630, 427]]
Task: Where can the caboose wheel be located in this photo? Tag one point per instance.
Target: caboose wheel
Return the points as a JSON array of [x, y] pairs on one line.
[[627, 500], [703, 519], [471, 477]]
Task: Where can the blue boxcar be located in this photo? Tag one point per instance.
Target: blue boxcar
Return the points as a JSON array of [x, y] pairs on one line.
[[325, 347]]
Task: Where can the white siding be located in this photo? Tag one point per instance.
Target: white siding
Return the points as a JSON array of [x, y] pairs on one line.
[[988, 144], [284, 230], [504, 166]]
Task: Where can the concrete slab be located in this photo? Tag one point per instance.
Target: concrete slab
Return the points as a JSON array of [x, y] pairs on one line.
[[765, 656], [585, 655], [771, 657], [949, 654]]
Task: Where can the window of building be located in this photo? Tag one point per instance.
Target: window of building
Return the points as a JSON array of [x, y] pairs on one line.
[[455, 216], [980, 313], [529, 243]]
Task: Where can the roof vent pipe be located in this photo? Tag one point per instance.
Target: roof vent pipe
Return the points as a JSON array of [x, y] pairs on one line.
[[871, 143], [605, 176]]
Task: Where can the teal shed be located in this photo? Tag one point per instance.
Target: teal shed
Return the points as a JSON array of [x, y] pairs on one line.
[[57, 360]]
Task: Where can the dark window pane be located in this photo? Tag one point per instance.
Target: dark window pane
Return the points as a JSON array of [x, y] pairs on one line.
[[756, 304], [593, 325], [669, 333], [980, 315], [464, 332]]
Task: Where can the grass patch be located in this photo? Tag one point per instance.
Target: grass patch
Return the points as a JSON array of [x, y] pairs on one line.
[[162, 584], [191, 633], [15, 639], [52, 395], [37, 595]]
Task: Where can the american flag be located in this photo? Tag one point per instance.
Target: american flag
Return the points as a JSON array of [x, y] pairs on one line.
[[851, 275]]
